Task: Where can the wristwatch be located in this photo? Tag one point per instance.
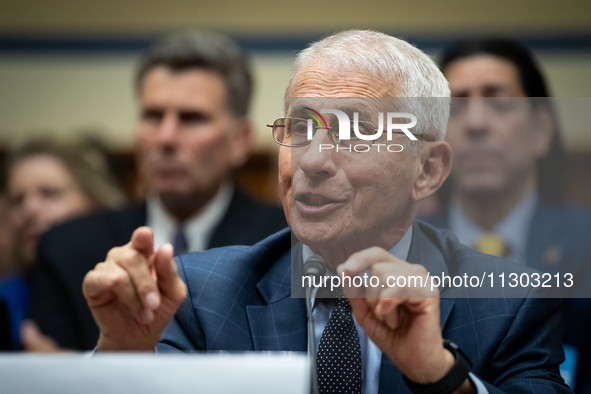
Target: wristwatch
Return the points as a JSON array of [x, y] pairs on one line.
[[452, 380]]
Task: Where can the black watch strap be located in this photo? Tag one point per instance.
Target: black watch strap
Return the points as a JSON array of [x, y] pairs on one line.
[[452, 380]]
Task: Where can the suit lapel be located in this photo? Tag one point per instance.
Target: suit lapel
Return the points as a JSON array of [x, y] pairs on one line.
[[229, 227], [422, 251], [281, 324], [545, 247]]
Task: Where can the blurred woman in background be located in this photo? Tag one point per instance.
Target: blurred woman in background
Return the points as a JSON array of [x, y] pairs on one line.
[[46, 183]]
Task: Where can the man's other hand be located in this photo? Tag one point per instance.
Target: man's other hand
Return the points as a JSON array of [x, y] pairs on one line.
[[134, 294], [402, 321]]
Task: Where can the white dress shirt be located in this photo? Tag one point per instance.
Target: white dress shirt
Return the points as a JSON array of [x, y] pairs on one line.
[[198, 229], [371, 355]]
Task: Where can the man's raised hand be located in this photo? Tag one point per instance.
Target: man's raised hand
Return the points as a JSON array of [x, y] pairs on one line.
[[134, 294], [402, 321]]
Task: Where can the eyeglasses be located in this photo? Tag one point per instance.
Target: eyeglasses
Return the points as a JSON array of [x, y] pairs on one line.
[[293, 133]]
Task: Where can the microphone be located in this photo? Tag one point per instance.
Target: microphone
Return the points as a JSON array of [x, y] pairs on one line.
[[314, 268]]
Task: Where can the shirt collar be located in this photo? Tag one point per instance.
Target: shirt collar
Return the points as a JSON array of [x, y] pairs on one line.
[[399, 250], [198, 229]]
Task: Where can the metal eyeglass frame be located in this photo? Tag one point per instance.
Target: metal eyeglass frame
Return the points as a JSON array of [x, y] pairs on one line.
[[334, 134]]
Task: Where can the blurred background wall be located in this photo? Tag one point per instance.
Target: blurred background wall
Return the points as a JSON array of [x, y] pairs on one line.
[[67, 65]]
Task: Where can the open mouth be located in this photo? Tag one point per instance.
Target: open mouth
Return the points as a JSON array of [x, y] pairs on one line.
[[314, 200]]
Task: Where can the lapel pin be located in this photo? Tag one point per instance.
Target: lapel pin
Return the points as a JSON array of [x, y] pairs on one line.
[[552, 255]]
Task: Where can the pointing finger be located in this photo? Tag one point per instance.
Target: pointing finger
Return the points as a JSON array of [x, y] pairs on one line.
[[168, 280], [142, 240]]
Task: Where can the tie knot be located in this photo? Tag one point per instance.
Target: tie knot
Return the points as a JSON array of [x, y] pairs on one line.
[[343, 303], [492, 243], [340, 299], [338, 292], [179, 243]]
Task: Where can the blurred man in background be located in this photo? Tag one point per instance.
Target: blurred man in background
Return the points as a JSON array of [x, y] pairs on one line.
[[194, 91], [505, 195]]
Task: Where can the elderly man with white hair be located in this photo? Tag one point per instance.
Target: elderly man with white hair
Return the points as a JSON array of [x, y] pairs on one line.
[[350, 200]]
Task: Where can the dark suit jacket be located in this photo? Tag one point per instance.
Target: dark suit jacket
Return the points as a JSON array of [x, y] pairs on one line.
[[67, 252], [5, 337], [239, 298], [559, 241]]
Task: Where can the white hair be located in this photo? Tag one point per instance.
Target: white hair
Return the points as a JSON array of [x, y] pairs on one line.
[[389, 60]]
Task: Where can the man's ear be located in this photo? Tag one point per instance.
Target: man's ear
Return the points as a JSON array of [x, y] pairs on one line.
[[544, 129], [434, 169], [242, 140]]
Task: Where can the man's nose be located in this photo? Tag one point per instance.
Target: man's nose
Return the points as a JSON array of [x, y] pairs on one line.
[[318, 158], [32, 206], [168, 131], [476, 118]]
